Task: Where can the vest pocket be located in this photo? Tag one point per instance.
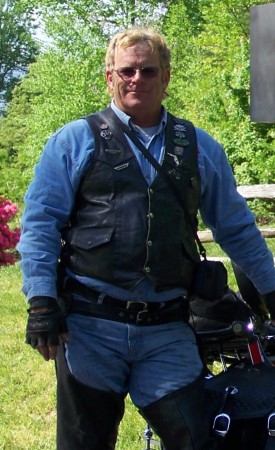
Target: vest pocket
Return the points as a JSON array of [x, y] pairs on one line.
[[88, 238]]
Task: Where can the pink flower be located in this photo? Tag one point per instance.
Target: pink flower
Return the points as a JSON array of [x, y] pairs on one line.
[[7, 210], [8, 238]]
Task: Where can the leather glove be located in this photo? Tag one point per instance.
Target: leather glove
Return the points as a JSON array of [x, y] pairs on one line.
[[45, 322]]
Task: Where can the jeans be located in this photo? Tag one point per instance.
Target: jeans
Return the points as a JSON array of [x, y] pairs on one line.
[[147, 362]]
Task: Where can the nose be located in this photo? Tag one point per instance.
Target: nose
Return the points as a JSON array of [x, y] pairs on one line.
[[137, 75]]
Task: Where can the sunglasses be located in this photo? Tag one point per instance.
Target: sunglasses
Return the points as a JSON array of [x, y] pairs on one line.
[[127, 73]]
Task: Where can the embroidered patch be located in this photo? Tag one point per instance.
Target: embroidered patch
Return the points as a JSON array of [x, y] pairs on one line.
[[122, 166]]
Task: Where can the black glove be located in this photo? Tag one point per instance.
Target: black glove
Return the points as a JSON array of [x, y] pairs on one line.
[[45, 322]]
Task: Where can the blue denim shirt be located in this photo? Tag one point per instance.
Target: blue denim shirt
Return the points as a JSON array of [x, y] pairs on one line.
[[50, 199]]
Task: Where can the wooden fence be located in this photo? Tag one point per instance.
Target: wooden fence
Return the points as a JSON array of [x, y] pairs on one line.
[[257, 191]]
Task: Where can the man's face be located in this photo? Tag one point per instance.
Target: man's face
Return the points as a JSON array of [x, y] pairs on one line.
[[138, 94]]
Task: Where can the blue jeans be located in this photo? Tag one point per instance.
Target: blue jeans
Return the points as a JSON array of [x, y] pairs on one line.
[[147, 362]]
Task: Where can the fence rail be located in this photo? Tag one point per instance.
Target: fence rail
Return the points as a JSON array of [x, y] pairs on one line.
[[260, 191]]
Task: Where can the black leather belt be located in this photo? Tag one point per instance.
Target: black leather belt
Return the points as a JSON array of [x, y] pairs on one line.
[[128, 311]]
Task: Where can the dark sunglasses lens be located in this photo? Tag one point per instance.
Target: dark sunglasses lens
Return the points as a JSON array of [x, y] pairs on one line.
[[127, 72], [149, 72]]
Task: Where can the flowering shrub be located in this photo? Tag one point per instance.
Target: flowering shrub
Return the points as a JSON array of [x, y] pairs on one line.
[[8, 238]]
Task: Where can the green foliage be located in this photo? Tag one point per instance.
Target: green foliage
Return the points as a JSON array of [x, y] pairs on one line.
[[18, 48], [103, 17], [13, 132], [65, 83], [61, 89], [58, 89], [210, 82]]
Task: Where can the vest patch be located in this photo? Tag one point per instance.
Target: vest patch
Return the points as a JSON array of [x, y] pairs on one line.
[[122, 166]]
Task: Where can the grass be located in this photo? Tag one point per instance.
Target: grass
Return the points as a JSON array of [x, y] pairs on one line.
[[27, 383]]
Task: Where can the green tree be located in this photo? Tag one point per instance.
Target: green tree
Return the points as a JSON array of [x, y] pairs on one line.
[[67, 81], [17, 46], [66, 21], [13, 132], [210, 83]]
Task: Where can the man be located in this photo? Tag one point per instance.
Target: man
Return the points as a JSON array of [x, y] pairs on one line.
[[127, 257]]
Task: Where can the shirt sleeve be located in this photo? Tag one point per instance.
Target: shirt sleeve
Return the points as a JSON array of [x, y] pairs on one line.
[[48, 204], [225, 212]]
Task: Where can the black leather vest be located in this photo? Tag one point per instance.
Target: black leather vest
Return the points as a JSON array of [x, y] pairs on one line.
[[121, 230]]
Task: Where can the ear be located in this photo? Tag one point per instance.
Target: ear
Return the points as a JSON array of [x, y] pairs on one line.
[[166, 77], [109, 79]]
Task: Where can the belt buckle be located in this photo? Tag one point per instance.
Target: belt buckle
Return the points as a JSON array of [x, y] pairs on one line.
[[131, 303], [139, 316]]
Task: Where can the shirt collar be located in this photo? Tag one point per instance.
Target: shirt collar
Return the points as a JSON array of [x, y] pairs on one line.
[[127, 119]]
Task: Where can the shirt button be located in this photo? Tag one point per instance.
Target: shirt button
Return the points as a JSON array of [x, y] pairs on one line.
[[151, 191], [151, 215], [150, 243], [147, 269]]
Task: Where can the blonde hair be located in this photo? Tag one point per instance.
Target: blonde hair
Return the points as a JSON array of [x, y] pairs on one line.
[[136, 35]]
